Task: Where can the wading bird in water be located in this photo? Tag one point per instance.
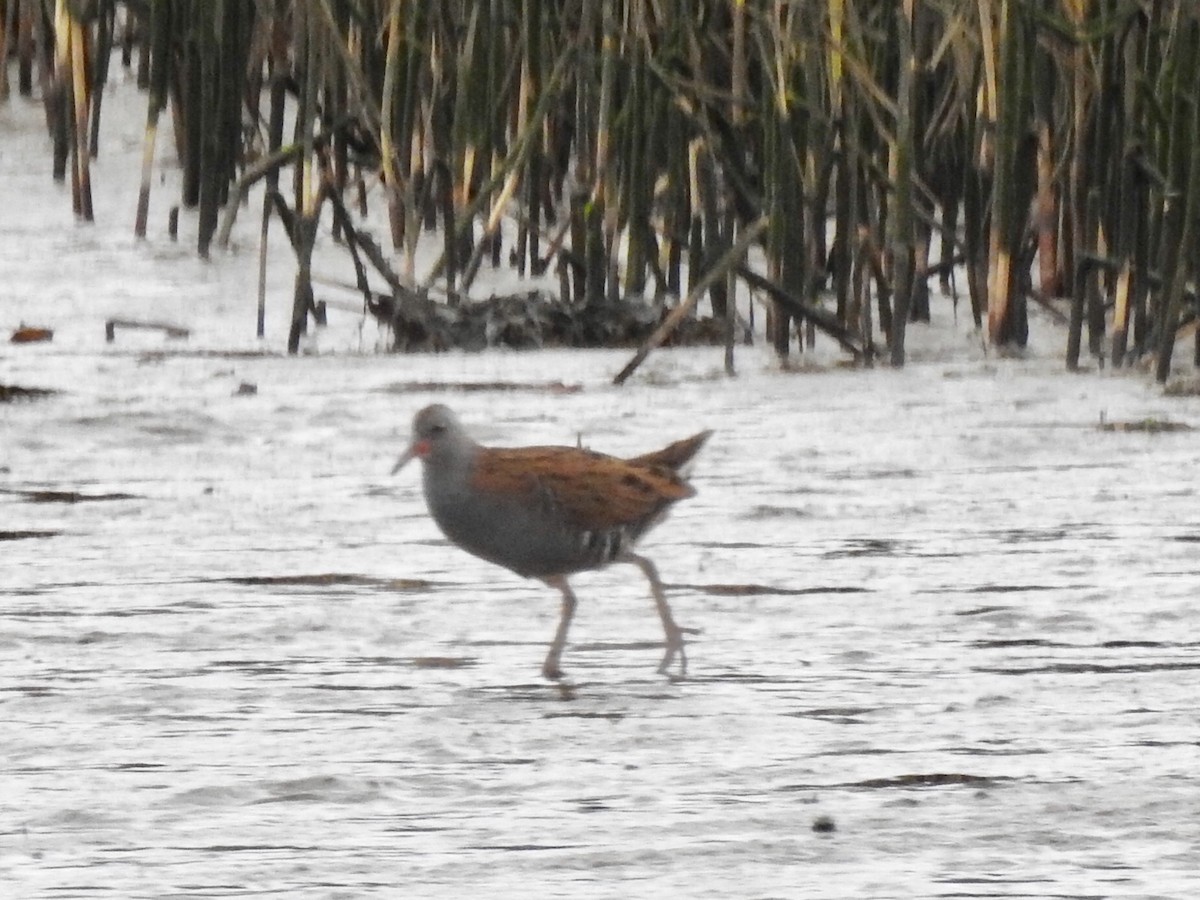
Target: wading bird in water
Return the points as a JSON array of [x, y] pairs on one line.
[[548, 512]]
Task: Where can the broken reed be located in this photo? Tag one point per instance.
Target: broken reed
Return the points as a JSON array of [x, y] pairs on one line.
[[885, 143]]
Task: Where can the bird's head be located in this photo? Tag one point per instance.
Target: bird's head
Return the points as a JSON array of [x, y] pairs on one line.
[[437, 437]]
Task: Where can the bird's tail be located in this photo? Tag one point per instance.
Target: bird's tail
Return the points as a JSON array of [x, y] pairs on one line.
[[675, 456]]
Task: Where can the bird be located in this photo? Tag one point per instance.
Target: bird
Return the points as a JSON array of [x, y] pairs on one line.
[[550, 512]]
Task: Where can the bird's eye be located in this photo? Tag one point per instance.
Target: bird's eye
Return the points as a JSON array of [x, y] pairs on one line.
[[437, 428]]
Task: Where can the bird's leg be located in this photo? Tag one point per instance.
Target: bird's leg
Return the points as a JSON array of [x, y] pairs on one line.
[[550, 668], [674, 634]]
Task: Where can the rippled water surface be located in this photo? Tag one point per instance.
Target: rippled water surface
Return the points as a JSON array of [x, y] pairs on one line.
[[950, 638]]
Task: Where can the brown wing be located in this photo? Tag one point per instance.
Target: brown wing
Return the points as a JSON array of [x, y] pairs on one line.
[[594, 491]]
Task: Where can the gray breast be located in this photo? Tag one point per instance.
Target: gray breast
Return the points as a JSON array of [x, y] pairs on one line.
[[527, 534]]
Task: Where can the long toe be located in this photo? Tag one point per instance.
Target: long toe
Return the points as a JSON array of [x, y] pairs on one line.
[[674, 646]]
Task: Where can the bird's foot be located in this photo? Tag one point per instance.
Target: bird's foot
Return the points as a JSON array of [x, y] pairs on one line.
[[675, 647], [551, 670]]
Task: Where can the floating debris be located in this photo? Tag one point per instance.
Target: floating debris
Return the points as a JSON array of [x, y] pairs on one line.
[[65, 496], [330, 579], [24, 535], [11, 393], [175, 332], [471, 387], [824, 825], [919, 780], [1146, 426], [28, 335], [753, 590], [440, 662]]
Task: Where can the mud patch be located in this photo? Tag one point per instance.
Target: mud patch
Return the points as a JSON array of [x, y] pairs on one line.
[[860, 547], [1011, 588], [848, 715], [1146, 426], [985, 610], [764, 511], [26, 535], [12, 393], [760, 590], [1090, 668], [920, 780], [440, 662], [65, 496], [331, 579], [1015, 642], [474, 387]]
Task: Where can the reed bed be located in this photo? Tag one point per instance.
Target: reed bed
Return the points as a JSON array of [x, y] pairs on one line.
[[1047, 149]]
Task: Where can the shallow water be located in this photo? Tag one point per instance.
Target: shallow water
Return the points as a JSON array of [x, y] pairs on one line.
[[949, 638]]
